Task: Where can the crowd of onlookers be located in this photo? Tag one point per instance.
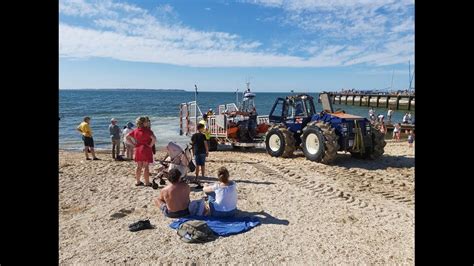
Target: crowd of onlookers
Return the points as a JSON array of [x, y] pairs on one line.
[[378, 92], [397, 126]]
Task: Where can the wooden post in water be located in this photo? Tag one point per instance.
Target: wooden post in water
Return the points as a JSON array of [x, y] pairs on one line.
[[360, 100], [388, 101], [346, 98], [368, 100], [398, 102], [340, 96], [353, 98], [378, 99], [409, 103]]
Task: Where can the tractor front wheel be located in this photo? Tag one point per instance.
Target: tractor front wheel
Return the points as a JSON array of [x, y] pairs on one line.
[[279, 142]]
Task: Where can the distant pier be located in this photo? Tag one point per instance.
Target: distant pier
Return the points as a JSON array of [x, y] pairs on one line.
[[396, 102]]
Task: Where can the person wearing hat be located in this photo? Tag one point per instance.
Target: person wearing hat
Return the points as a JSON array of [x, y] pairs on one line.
[[128, 144], [115, 137]]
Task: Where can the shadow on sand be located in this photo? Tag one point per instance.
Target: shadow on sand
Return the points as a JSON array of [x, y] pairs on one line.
[[263, 216], [214, 179]]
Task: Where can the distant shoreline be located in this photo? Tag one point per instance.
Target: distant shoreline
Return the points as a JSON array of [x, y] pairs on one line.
[[179, 90], [119, 89]]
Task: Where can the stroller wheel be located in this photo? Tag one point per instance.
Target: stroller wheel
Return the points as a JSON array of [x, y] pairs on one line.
[[154, 184]]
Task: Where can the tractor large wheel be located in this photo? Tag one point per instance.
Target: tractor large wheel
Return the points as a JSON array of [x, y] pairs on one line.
[[279, 142], [319, 142], [378, 139], [378, 143], [213, 144]]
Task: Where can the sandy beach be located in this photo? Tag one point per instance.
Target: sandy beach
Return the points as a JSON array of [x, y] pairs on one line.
[[352, 212]]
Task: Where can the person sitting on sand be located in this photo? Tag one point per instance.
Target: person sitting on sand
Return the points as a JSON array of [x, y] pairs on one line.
[[86, 132], [222, 196], [144, 139], [173, 200]]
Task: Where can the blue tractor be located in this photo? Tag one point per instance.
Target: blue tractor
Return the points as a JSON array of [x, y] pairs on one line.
[[296, 124]]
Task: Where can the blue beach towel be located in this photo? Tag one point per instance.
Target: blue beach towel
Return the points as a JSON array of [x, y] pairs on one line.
[[222, 226]]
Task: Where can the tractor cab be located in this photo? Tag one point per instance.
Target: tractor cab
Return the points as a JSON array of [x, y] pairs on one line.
[[292, 109]]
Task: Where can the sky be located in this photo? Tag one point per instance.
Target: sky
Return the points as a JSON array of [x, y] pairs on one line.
[[276, 45]]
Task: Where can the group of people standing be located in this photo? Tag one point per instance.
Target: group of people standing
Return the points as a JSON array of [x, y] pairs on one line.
[[407, 118], [139, 144], [174, 199]]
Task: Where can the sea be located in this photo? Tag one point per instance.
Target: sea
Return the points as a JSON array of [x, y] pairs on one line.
[[162, 106]]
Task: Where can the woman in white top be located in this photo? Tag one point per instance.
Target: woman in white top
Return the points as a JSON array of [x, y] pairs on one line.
[[126, 143], [222, 196]]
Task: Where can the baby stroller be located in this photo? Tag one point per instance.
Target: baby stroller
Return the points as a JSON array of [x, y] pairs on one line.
[[175, 158]]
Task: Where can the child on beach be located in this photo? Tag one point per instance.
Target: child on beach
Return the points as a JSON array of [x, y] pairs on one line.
[[396, 132], [201, 151], [411, 138], [144, 139], [173, 200], [222, 196]]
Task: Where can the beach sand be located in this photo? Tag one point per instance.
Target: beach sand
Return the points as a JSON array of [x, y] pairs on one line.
[[354, 211]]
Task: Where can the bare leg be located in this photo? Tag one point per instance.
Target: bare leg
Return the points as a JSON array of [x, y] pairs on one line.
[[118, 149], [197, 173], [93, 152], [86, 148], [203, 169], [139, 171], [146, 173], [130, 152], [113, 149]]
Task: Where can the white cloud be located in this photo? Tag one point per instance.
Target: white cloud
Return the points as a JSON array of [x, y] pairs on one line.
[[126, 32]]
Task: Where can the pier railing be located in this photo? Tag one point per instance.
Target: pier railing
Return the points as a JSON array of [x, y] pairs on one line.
[[397, 102]]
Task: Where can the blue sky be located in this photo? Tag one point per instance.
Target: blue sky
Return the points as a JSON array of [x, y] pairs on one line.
[[277, 45]]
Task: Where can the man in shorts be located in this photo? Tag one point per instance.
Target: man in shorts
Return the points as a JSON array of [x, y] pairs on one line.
[[201, 151], [86, 132]]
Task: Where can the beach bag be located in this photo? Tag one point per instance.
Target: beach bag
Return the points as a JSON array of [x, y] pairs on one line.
[[195, 231], [191, 166]]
